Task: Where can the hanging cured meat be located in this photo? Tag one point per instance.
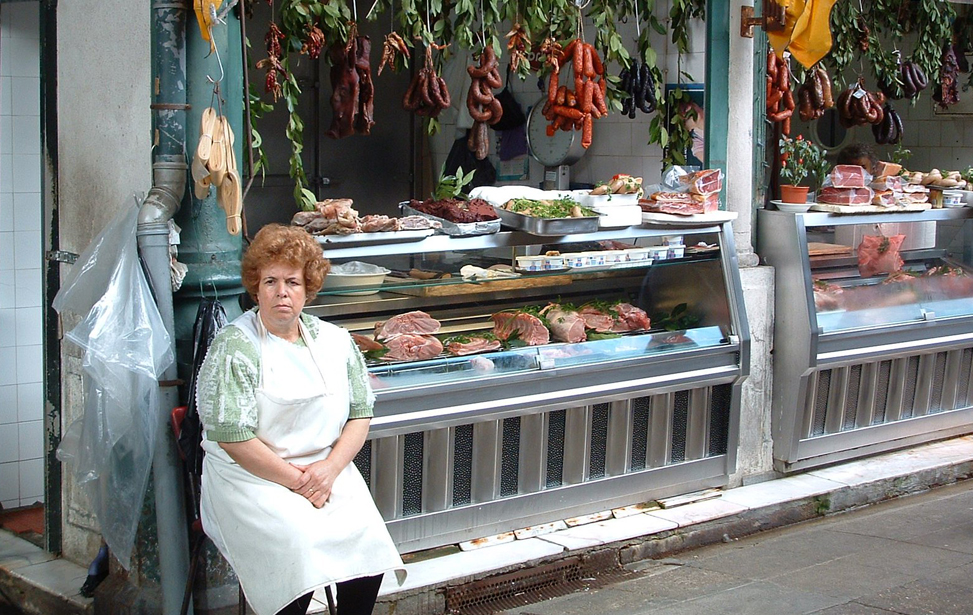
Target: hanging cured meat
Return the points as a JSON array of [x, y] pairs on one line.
[[484, 108], [353, 93]]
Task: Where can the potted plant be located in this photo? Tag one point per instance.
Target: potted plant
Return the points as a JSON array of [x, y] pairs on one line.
[[799, 160]]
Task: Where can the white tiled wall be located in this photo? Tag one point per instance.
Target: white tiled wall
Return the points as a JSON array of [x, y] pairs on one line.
[[21, 311]]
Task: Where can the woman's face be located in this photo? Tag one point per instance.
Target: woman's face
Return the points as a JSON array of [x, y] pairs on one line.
[[281, 296]]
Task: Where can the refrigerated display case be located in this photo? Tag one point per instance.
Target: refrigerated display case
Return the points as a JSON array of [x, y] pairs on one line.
[[867, 361], [463, 447]]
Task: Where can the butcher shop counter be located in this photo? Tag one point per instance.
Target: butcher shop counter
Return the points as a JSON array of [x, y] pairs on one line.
[[867, 359], [463, 447]]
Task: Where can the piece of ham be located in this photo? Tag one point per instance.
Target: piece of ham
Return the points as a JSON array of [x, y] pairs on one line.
[[525, 327], [879, 254], [845, 196], [409, 347], [848, 176], [704, 182], [629, 318], [566, 325], [412, 323], [364, 343], [471, 346]]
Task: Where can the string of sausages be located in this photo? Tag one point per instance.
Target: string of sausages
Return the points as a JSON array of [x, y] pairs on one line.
[[574, 109], [427, 94], [814, 96], [780, 99], [484, 108], [857, 106]]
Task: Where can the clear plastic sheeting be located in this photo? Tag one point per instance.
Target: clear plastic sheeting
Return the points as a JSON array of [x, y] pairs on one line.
[[126, 348]]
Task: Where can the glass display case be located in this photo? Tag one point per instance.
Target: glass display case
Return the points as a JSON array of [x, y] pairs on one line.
[[531, 430], [873, 338]]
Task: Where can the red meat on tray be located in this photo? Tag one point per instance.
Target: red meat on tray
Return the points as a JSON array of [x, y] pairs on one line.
[[848, 176], [845, 196], [409, 347], [414, 323], [525, 327]]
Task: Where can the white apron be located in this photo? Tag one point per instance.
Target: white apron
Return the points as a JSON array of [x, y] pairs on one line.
[[280, 546]]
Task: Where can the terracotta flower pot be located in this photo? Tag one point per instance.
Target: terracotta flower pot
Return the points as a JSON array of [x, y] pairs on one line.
[[793, 194]]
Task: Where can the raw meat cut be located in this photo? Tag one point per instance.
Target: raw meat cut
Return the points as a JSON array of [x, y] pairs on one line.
[[676, 203], [704, 182], [596, 319], [457, 210], [827, 297], [629, 318], [845, 196], [417, 223], [409, 347], [375, 224], [365, 343], [525, 327], [879, 254], [566, 325], [412, 323], [848, 176], [471, 346]]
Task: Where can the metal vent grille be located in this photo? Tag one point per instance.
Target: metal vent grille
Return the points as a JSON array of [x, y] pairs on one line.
[[882, 392], [719, 418], [510, 457], [363, 460], [640, 432], [412, 479], [938, 376], [463, 465], [599, 440], [821, 402], [911, 380], [555, 448], [854, 388], [680, 420], [966, 367], [529, 586]]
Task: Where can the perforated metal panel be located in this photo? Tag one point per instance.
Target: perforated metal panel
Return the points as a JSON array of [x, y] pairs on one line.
[[510, 457], [463, 465], [911, 381], [719, 418], [555, 448], [680, 420], [938, 376], [599, 440], [854, 387], [412, 490], [966, 377], [640, 432], [821, 402], [363, 461]]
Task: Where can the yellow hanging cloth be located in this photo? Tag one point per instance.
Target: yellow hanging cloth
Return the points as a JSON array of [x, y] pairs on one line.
[[206, 16], [807, 30]]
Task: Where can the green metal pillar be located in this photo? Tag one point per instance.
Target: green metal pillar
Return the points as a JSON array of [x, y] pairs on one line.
[[717, 94], [206, 247]]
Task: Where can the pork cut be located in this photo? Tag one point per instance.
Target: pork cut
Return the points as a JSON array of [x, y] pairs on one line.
[[629, 318], [471, 346], [525, 327], [410, 347], [848, 176], [845, 196], [879, 254], [411, 323], [373, 223], [597, 319], [417, 223], [566, 325], [365, 343], [827, 297]]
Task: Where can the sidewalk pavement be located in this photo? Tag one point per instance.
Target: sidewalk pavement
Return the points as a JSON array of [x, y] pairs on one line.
[[908, 556], [635, 536]]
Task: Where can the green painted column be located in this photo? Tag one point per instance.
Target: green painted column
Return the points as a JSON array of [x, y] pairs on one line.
[[206, 247], [717, 94]]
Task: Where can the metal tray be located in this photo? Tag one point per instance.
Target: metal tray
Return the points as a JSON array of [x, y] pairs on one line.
[[548, 226], [362, 239], [455, 229]]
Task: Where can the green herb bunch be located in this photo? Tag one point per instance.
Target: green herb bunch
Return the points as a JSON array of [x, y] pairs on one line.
[[451, 186]]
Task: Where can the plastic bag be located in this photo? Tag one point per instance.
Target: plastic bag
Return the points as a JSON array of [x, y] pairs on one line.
[[126, 348], [879, 254]]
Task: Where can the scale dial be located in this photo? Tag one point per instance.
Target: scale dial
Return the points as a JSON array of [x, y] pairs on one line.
[[562, 149]]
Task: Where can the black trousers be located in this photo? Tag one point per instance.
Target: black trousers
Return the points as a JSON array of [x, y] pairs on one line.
[[355, 597]]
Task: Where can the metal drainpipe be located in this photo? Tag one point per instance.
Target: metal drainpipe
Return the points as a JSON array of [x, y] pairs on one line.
[[169, 172]]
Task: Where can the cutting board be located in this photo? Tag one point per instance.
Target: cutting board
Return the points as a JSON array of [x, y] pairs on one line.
[[826, 249]]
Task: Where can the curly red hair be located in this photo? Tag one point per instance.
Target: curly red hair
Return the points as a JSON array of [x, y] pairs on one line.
[[276, 243]]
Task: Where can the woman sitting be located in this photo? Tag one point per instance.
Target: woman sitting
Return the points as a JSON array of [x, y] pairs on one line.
[[285, 403]]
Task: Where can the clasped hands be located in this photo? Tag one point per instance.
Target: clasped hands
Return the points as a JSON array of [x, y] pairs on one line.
[[316, 481]]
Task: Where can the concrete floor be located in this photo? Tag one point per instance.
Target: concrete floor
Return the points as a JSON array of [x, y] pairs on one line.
[[909, 556]]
